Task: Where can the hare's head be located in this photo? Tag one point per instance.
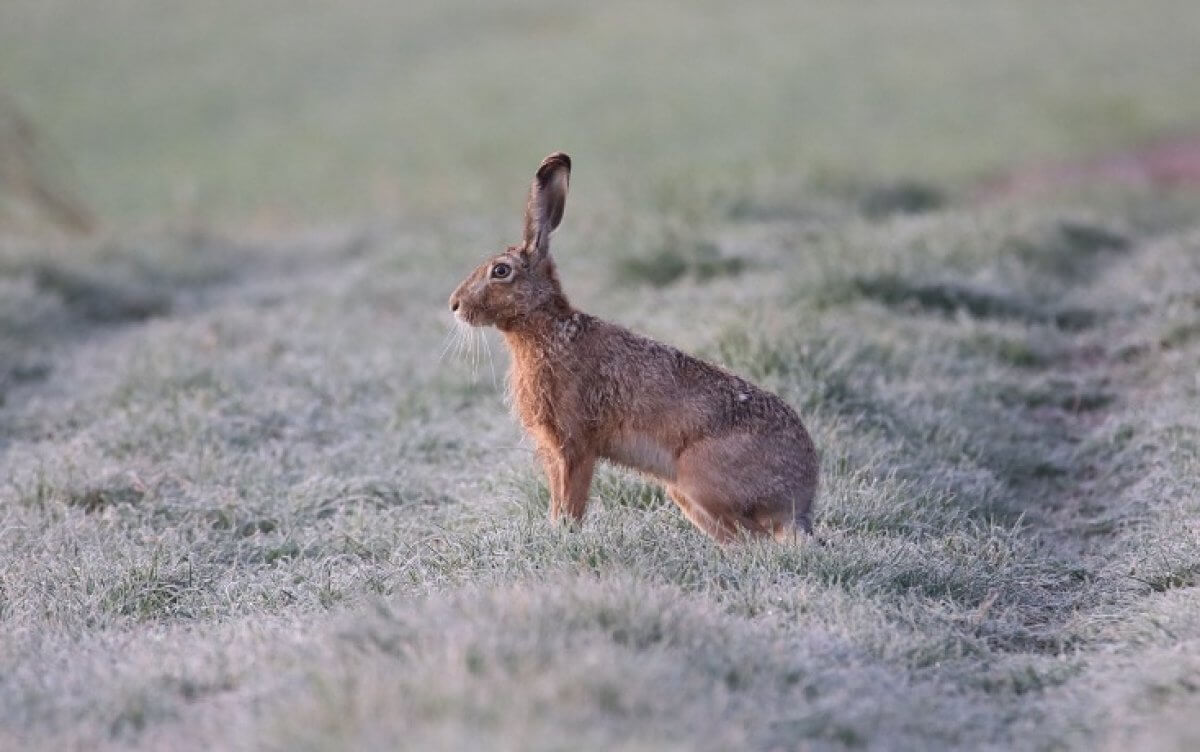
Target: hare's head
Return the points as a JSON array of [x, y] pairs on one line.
[[509, 286]]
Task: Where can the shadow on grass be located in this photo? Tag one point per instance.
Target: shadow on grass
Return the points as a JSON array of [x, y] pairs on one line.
[[109, 285], [1072, 250], [951, 298], [97, 298], [676, 259], [901, 197]]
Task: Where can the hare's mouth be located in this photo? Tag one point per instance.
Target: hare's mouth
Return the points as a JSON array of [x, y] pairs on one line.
[[463, 316]]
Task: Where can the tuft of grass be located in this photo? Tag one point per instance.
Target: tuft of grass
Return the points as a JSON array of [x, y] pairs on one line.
[[110, 492], [147, 591]]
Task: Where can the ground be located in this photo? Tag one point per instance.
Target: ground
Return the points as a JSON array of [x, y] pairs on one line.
[[251, 497]]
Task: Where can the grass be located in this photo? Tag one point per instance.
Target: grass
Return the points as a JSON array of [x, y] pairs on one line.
[[245, 505]]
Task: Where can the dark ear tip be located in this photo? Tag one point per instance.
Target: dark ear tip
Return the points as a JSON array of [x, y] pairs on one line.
[[556, 161]]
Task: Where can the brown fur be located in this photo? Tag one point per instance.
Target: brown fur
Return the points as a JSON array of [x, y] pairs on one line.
[[734, 457]]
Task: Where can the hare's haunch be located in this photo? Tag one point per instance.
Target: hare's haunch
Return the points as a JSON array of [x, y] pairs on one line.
[[734, 457]]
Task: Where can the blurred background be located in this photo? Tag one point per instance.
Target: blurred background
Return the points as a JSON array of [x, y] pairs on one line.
[[279, 113]]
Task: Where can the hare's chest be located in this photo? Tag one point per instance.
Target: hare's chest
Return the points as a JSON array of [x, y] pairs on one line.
[[532, 393]]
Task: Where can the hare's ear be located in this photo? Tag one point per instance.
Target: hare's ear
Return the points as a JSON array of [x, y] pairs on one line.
[[547, 199]]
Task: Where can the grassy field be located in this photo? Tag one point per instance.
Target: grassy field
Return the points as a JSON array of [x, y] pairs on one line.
[[247, 502]]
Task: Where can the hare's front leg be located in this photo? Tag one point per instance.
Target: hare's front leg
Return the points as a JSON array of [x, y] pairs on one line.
[[569, 473], [577, 481], [552, 464]]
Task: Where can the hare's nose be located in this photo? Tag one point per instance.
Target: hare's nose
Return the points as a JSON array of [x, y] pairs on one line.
[[454, 305]]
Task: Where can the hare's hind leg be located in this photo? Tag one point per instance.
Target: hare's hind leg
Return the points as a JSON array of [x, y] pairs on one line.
[[788, 515], [717, 528], [716, 518], [785, 528], [747, 482], [765, 483]]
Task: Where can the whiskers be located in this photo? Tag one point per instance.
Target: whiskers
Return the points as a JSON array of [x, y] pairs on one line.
[[491, 361], [455, 339], [469, 343]]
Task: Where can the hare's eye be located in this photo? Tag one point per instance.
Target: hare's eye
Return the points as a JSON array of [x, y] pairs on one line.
[[501, 271]]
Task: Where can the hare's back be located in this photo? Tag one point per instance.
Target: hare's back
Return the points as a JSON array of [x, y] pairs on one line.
[[654, 384]]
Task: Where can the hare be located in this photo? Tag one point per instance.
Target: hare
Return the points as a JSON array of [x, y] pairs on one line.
[[734, 457]]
